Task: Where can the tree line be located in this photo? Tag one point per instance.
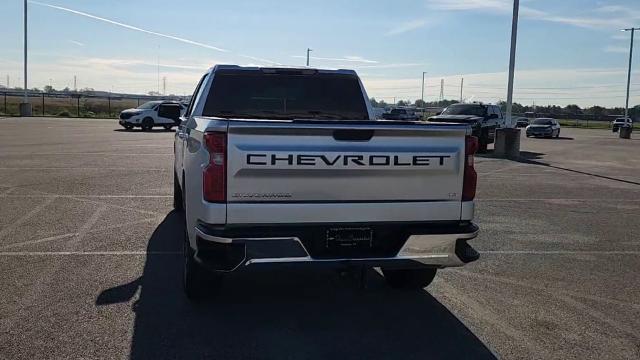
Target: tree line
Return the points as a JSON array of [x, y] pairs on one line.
[[571, 110]]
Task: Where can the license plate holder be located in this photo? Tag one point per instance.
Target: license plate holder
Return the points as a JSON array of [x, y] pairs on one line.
[[349, 238]]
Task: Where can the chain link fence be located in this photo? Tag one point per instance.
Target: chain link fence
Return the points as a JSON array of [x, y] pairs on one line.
[[74, 105]]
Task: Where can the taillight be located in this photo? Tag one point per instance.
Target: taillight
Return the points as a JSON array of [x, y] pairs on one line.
[[214, 175], [470, 176]]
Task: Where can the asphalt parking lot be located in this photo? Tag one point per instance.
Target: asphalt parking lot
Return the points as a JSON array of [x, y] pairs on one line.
[[90, 264]]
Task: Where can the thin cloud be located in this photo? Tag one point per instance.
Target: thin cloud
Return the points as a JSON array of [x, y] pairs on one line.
[[259, 59], [500, 5], [389, 66], [406, 27], [346, 58], [76, 42], [604, 17], [617, 49], [130, 27]]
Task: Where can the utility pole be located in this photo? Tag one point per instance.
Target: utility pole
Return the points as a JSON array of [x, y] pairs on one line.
[[422, 96], [461, 86], [75, 83], [626, 106], [7, 81], [441, 89], [158, 58], [308, 51], [25, 106], [164, 85]]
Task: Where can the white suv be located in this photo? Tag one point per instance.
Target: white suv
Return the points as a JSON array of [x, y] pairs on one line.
[[620, 122], [146, 116]]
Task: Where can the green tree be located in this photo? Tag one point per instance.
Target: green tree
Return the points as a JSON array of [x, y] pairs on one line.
[[573, 109]]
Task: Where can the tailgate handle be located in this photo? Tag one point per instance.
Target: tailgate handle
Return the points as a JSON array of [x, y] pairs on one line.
[[353, 135]]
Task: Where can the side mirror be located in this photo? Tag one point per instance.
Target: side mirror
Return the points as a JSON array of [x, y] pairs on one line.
[[169, 111], [439, 113], [493, 116]]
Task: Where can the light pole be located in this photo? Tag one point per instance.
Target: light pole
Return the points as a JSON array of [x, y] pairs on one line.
[[507, 141], [308, 51], [512, 62], [422, 96], [626, 106], [25, 106]]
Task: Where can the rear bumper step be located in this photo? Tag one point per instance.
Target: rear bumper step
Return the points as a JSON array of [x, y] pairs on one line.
[[396, 245]]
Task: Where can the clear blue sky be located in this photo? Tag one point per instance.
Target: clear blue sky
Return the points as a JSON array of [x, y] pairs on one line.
[[569, 51]]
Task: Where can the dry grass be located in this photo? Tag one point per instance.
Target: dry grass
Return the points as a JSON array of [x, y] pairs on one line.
[[68, 106]]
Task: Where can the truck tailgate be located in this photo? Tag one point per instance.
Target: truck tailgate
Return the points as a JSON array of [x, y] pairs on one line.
[[343, 172]]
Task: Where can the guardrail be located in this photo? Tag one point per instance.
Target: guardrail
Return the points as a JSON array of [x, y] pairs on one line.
[[79, 105]]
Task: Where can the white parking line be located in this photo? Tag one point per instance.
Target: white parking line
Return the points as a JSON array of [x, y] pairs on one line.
[[92, 253], [86, 168], [83, 154], [559, 252], [557, 199], [551, 290], [85, 196], [68, 235], [25, 217]]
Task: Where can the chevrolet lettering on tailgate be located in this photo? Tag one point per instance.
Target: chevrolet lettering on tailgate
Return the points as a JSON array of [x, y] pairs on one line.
[[285, 160]]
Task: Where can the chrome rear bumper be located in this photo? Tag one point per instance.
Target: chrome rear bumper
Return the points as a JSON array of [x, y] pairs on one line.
[[433, 250]]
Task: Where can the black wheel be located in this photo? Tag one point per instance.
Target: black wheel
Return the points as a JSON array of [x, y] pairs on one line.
[[409, 278], [127, 126], [558, 134], [167, 127], [193, 275], [147, 124], [178, 202], [484, 144]]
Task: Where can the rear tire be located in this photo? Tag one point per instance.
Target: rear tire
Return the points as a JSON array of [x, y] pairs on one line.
[[147, 124], [558, 134], [409, 279], [193, 276], [483, 146], [178, 202]]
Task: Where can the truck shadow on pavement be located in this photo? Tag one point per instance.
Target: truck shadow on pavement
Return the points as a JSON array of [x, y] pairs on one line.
[[283, 314], [534, 158]]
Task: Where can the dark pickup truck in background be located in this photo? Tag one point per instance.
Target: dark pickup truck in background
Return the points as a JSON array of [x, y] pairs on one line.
[[405, 114], [484, 119]]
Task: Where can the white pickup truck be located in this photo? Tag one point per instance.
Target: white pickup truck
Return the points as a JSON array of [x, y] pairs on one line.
[[281, 165]]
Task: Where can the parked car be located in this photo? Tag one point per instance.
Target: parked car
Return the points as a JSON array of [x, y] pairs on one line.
[[522, 122], [401, 114], [316, 180], [146, 116], [544, 127], [484, 119], [620, 122]]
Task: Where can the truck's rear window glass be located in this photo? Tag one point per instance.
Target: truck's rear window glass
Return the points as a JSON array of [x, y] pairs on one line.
[[286, 96]]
